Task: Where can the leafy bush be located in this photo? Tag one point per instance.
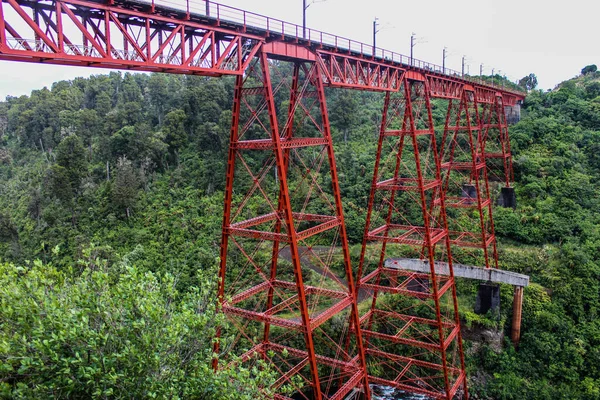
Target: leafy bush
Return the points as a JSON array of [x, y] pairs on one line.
[[109, 336]]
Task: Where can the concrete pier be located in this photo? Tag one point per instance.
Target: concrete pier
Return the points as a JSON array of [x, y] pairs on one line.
[[515, 334], [508, 198], [488, 298]]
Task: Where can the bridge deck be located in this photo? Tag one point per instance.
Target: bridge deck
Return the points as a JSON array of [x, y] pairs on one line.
[[209, 12]]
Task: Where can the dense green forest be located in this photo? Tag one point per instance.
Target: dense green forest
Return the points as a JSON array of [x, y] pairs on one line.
[[111, 191]]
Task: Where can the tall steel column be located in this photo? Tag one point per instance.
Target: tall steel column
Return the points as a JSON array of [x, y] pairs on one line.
[[285, 281], [412, 328], [466, 187], [496, 141]]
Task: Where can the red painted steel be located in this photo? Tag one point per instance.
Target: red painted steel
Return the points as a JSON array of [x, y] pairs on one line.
[[412, 328], [466, 187], [345, 71], [128, 36], [199, 37], [497, 142], [286, 272]]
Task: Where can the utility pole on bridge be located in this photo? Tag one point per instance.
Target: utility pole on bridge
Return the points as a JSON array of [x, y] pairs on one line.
[[375, 32], [414, 40], [444, 59], [412, 46], [305, 6]]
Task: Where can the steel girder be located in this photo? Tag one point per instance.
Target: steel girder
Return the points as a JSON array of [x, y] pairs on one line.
[[346, 71], [154, 36], [93, 34]]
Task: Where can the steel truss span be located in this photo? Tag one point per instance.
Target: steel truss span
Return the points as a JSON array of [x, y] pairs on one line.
[[286, 283], [204, 38]]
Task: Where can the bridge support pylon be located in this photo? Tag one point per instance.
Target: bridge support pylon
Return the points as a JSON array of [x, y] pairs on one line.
[[498, 155], [411, 329], [285, 281], [466, 187]]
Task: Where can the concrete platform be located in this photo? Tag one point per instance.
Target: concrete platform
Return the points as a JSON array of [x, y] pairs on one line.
[[460, 271]]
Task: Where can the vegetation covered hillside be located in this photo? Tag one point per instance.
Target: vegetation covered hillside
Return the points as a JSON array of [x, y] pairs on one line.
[[110, 214]]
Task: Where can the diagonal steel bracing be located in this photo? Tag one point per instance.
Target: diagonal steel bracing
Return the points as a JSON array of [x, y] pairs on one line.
[[285, 274], [466, 187]]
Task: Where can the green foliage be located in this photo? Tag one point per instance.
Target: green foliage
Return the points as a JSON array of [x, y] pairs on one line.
[[344, 113], [8, 230], [528, 82], [130, 169], [126, 186], [175, 135], [589, 69], [558, 183], [103, 334], [58, 184], [70, 155]]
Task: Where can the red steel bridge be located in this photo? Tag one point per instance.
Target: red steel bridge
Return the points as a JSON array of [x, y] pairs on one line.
[[286, 282]]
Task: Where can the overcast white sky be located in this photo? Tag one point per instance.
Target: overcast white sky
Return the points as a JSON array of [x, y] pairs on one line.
[[553, 39]]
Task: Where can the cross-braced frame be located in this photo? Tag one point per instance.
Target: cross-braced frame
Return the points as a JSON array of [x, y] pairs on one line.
[[466, 187], [497, 142], [286, 283], [411, 327]]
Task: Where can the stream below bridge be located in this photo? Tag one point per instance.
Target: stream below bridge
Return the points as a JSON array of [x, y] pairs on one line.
[[388, 393]]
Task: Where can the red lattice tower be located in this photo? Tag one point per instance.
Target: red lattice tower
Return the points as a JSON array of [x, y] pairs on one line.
[[496, 140], [466, 187], [285, 281], [411, 329]]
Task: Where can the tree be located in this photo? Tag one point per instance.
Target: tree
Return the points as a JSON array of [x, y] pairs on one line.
[[158, 91], [344, 112], [70, 155], [57, 184], [9, 234], [174, 129], [8, 230], [126, 186], [3, 120], [103, 103], [529, 82], [589, 69]]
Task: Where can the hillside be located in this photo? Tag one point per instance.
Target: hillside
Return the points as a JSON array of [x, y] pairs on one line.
[[113, 185]]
